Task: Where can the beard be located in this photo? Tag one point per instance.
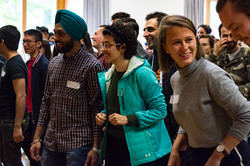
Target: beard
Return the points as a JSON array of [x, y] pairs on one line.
[[231, 45], [67, 46]]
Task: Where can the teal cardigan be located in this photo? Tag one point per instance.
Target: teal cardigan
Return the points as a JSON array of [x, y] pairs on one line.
[[139, 94]]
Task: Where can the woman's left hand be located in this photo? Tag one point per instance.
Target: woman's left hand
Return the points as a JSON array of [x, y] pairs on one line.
[[117, 119], [212, 162], [214, 159]]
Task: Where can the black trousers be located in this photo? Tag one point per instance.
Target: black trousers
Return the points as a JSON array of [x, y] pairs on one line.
[[117, 154], [28, 138], [199, 156]]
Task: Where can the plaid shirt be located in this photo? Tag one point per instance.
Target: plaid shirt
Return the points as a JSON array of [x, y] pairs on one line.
[[71, 100]]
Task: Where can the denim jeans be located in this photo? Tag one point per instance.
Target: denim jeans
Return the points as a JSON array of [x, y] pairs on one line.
[[75, 157], [10, 152]]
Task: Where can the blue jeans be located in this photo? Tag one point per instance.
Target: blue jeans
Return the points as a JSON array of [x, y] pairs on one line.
[[75, 157], [10, 152]]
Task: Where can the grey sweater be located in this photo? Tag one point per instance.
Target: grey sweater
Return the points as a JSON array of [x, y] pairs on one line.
[[210, 104]]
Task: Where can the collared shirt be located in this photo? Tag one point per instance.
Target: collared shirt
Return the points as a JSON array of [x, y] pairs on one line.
[[72, 99], [101, 58]]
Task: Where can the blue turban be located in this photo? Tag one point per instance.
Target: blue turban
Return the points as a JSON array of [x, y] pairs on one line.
[[72, 24]]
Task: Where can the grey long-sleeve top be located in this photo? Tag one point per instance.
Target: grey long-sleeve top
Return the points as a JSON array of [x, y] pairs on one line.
[[208, 104]]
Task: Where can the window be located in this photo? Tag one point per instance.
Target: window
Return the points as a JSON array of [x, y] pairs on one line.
[[41, 13], [76, 6], [212, 17], [8, 17]]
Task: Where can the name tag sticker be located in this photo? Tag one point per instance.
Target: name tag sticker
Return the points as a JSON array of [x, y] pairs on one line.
[[174, 99], [72, 84], [3, 74]]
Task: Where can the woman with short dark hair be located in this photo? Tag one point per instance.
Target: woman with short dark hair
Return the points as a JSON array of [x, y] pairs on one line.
[[135, 133]]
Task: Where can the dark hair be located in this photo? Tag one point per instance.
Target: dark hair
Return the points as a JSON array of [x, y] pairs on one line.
[[124, 35], [46, 46], [165, 60], [102, 26], [51, 34], [158, 15], [206, 28], [36, 33], [219, 29], [210, 39], [119, 15], [42, 29], [88, 44], [11, 37], [237, 5], [131, 22]]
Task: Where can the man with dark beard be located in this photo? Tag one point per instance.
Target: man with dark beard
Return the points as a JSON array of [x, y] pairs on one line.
[[71, 99], [233, 58]]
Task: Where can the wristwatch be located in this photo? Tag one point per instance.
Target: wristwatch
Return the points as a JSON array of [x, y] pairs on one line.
[[222, 149]]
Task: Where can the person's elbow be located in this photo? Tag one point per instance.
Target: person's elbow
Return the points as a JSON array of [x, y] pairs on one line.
[[21, 96]]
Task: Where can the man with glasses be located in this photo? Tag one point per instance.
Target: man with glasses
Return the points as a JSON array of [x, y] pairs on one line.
[[233, 58], [37, 69], [13, 85], [72, 98], [207, 44]]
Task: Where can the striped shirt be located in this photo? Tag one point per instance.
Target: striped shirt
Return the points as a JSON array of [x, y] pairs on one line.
[[71, 100]]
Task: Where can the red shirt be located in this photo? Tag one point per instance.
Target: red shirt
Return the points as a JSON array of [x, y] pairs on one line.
[[101, 58], [29, 92]]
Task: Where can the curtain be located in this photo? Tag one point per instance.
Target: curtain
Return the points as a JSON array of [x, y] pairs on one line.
[[194, 10], [95, 13]]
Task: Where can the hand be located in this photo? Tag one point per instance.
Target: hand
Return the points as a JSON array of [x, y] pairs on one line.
[[34, 151], [100, 118], [92, 158], [212, 162], [174, 159], [17, 134], [219, 46], [117, 119], [214, 159]]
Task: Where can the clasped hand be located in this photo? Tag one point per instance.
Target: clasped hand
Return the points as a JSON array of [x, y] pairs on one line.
[[115, 119]]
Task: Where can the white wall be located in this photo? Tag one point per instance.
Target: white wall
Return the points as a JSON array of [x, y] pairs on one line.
[[138, 9]]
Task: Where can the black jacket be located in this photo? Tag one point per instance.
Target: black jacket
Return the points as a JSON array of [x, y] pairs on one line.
[[38, 75]]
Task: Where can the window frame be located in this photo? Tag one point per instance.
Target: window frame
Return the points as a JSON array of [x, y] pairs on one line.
[[60, 4]]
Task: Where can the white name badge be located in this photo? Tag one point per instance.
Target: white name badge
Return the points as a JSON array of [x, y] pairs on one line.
[[174, 99], [72, 84], [3, 74]]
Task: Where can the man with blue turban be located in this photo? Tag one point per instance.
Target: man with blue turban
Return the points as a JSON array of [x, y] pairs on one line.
[[71, 99]]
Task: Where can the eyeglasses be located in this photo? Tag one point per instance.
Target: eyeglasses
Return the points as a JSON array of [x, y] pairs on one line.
[[28, 42], [205, 44], [108, 45]]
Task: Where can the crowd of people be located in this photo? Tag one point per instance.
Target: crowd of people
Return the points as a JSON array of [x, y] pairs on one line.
[[185, 103]]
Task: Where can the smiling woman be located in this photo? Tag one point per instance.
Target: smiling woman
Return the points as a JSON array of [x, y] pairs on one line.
[[134, 104], [204, 104]]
